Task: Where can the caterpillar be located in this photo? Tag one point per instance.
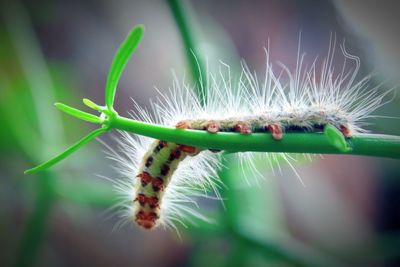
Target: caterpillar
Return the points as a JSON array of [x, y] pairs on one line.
[[161, 178], [157, 168]]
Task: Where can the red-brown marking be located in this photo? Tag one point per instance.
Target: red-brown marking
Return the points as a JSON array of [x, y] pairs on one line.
[[163, 144], [213, 127], [276, 131], [157, 184], [345, 131], [146, 219], [142, 199], [145, 178], [187, 149], [151, 201], [183, 125]]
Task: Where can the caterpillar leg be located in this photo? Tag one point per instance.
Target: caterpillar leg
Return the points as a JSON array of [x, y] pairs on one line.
[[242, 128], [183, 125], [346, 131], [190, 150], [213, 127], [276, 130]]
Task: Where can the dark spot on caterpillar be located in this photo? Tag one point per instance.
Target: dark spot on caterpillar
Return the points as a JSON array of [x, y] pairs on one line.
[[164, 169], [157, 184], [163, 143], [145, 178], [149, 161], [160, 146], [174, 155], [215, 150]]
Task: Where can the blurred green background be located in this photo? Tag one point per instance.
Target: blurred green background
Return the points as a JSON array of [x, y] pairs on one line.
[[348, 214]]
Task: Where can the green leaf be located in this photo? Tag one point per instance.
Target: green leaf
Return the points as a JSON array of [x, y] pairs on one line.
[[78, 113], [67, 152], [123, 55], [336, 138]]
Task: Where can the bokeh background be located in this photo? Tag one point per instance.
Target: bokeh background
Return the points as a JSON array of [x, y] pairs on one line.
[[348, 213]]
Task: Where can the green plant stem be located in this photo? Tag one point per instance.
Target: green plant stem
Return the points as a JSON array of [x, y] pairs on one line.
[[387, 146], [316, 143], [180, 14], [36, 225]]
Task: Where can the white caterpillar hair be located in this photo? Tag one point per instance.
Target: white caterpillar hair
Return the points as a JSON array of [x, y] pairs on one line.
[[307, 97]]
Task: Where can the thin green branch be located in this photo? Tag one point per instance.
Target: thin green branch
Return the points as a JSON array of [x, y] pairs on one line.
[[387, 146], [361, 144], [78, 113]]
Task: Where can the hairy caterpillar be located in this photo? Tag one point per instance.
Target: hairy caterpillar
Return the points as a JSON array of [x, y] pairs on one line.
[[162, 177]]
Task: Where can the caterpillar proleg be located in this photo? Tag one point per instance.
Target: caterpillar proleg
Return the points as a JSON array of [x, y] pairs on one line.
[[161, 178]]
